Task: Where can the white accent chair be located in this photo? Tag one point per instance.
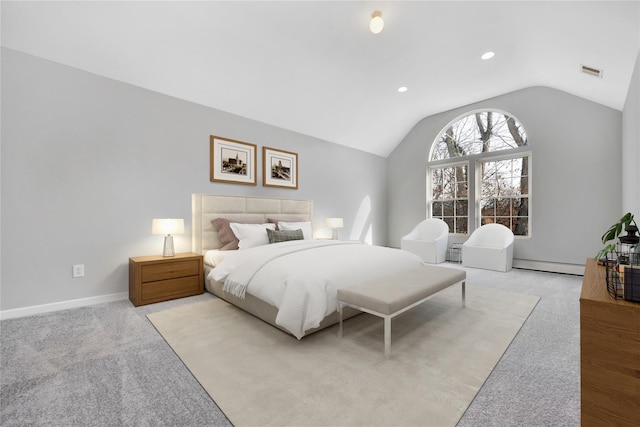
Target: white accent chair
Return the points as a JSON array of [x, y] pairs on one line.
[[428, 240], [489, 247]]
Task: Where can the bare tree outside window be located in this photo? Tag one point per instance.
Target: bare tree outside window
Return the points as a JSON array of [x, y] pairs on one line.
[[504, 182], [450, 197], [505, 194]]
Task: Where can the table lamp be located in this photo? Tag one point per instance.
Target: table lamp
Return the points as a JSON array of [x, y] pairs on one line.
[[335, 223], [168, 227]]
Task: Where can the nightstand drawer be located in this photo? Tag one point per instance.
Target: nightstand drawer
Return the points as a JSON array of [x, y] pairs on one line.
[[165, 289], [169, 270], [158, 278]]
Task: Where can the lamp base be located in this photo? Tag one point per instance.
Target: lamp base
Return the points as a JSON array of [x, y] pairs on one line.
[[168, 246]]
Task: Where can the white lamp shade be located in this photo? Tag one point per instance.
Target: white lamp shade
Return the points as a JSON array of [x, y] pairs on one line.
[[167, 226], [335, 223]]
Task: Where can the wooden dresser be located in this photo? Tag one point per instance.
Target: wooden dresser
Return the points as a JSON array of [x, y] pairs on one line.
[[609, 354], [157, 278]]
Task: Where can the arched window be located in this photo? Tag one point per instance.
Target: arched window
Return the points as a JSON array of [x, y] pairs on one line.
[[479, 170]]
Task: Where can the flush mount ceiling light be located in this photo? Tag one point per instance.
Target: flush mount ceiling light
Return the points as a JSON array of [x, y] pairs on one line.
[[487, 55], [376, 23], [402, 89]]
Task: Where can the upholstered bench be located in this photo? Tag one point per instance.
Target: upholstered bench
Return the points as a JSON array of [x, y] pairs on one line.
[[387, 297]]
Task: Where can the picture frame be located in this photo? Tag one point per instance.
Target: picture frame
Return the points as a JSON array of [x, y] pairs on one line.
[[232, 161], [280, 168]]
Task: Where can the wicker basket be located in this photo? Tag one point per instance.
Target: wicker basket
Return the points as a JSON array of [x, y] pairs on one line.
[[623, 281]]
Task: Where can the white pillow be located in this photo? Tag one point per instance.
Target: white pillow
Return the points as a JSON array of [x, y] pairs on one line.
[[250, 235], [304, 226], [215, 256]]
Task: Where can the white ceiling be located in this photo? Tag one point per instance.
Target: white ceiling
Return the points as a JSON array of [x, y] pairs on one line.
[[315, 68]]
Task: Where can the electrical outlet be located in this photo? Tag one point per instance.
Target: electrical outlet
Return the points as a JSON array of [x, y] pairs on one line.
[[78, 270]]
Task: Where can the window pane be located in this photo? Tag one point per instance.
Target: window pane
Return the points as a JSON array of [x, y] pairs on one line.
[[437, 192], [514, 186], [436, 183], [436, 209], [462, 208], [479, 132], [489, 170], [503, 207], [519, 207], [448, 174], [504, 187], [506, 221], [521, 226], [488, 189], [462, 189], [449, 190], [447, 208], [461, 225], [488, 207], [523, 184]]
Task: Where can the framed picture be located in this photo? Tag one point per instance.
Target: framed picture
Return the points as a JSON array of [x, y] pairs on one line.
[[232, 161], [280, 168]]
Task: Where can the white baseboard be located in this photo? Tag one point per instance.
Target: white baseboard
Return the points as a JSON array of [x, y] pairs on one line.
[[62, 305], [553, 267], [81, 302]]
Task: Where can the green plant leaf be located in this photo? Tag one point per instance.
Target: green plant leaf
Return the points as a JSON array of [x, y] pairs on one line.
[[610, 234], [606, 250], [616, 229]]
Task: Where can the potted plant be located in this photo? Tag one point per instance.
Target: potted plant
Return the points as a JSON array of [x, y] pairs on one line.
[[626, 223]]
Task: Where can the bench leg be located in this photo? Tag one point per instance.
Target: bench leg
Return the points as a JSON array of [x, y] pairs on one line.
[[463, 294], [387, 337], [340, 317]]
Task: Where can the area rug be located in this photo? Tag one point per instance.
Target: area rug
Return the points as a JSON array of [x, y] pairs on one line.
[[259, 376]]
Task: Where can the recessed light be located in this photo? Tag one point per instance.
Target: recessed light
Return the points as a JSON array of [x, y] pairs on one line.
[[402, 89], [487, 55]]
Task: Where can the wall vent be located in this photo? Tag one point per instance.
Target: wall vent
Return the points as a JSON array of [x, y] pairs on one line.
[[591, 71]]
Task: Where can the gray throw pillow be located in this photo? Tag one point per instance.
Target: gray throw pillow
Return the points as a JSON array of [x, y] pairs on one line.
[[284, 235]]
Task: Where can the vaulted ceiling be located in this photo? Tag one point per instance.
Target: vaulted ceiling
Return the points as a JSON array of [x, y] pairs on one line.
[[315, 68]]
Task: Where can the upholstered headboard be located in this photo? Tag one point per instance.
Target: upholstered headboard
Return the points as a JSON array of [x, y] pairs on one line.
[[207, 207]]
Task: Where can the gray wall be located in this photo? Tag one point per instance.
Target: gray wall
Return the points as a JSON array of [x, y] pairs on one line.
[[631, 146], [576, 154], [87, 162]]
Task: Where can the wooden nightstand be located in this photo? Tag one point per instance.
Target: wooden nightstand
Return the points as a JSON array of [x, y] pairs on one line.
[[157, 278]]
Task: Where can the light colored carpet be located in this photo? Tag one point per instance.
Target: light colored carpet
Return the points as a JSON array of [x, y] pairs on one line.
[[441, 355]]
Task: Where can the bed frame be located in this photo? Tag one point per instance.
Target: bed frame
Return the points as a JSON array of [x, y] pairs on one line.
[[207, 207]]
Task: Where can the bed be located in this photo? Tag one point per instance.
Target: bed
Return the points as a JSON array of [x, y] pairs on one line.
[[260, 278]]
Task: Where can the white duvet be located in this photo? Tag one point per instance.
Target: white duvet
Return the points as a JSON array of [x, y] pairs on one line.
[[301, 277]]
